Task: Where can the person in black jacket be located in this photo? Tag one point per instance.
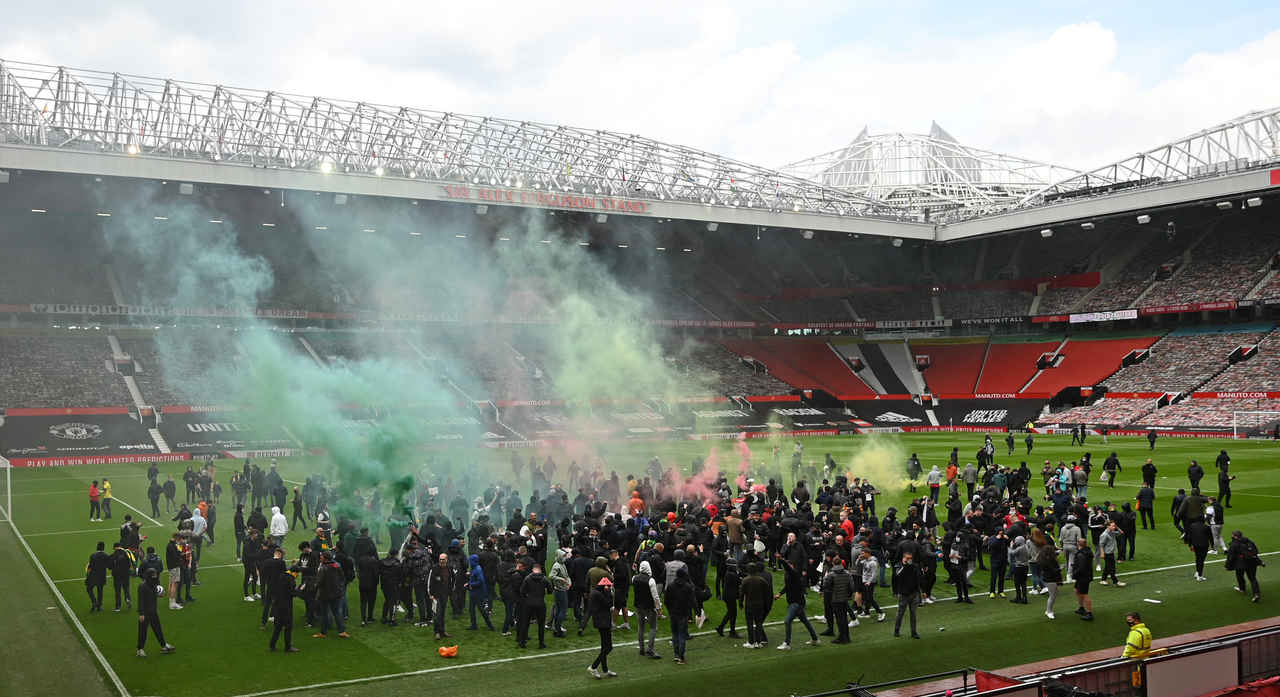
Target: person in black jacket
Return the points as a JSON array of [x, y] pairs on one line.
[[367, 572], [1199, 540], [599, 607], [239, 528], [1242, 558], [331, 588], [534, 590], [389, 576], [728, 582], [1194, 474], [153, 495], [283, 592], [96, 576], [681, 602], [252, 554], [906, 585], [1082, 575], [121, 570], [149, 589], [440, 588]]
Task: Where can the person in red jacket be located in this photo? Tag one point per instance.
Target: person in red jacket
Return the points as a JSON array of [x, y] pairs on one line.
[[95, 504]]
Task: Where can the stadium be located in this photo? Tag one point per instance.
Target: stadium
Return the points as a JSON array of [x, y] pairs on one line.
[[408, 305]]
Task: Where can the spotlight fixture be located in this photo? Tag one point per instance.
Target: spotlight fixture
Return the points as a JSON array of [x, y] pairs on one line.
[[1253, 202], [712, 227], [1046, 233], [1144, 219], [481, 209], [1223, 205], [897, 241], [379, 171], [602, 218], [326, 167], [131, 149], [1087, 226]]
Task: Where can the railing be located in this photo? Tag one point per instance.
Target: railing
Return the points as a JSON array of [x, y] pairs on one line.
[[858, 690]]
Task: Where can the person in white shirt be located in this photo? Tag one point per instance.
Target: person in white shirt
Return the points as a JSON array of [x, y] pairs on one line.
[[279, 525]]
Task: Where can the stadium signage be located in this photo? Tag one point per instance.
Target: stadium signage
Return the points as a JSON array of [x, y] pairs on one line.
[[96, 460], [1235, 395], [1045, 319], [543, 199], [993, 320], [163, 311], [1188, 307], [1106, 316]]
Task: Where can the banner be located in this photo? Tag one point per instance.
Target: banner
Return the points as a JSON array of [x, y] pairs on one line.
[[1187, 307], [81, 435], [1235, 395], [96, 460], [203, 434], [824, 325], [890, 412], [1106, 316], [1013, 319], [1006, 412], [1131, 395], [1045, 319]]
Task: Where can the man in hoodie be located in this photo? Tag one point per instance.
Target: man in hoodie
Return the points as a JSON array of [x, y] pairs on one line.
[[121, 569], [934, 480], [149, 591], [754, 600], [280, 600], [1067, 537], [96, 576], [647, 602], [367, 575], [1082, 575], [600, 609], [728, 580], [478, 587], [680, 606], [560, 583], [279, 526]]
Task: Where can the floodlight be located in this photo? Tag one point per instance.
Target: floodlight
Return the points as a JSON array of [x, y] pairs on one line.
[[897, 241], [1144, 219], [712, 227], [1046, 233], [481, 209], [326, 167], [1253, 202], [1223, 205], [379, 171], [602, 218], [1087, 226]]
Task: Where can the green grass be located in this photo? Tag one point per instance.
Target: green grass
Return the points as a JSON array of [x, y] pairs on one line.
[[221, 652]]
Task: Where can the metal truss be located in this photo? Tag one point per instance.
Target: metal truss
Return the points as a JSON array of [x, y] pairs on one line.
[[58, 107], [932, 176], [1247, 142]]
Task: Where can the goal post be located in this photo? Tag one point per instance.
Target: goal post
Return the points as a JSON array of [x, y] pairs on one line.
[[1253, 423]]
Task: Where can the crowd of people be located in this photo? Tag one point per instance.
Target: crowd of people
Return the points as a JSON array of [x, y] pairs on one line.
[[642, 549]]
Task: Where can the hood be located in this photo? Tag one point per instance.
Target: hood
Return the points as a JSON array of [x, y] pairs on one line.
[[934, 469], [275, 510], [1019, 540], [602, 563], [474, 559], [645, 568], [561, 554]]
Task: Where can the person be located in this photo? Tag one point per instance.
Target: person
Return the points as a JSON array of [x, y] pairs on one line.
[[1151, 439], [600, 608], [331, 588], [906, 585], [440, 588], [1194, 474], [970, 477], [478, 588], [1019, 559], [1137, 643], [1213, 517], [153, 495], [297, 511], [149, 590], [95, 504], [1030, 441], [367, 576], [837, 585], [1082, 576], [1223, 464], [279, 526], [1242, 557], [648, 601], [1176, 506], [754, 600], [870, 567], [1051, 575], [106, 498], [173, 562], [170, 492], [96, 576], [534, 590], [1199, 540], [283, 591], [1146, 499], [560, 583], [1108, 543], [680, 606], [1111, 466], [121, 570], [1009, 441], [934, 480], [390, 575], [913, 471]]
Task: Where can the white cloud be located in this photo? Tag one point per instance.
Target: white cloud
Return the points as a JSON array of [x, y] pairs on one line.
[[685, 75]]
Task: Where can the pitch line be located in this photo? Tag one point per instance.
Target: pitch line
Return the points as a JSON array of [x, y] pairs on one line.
[[66, 608]]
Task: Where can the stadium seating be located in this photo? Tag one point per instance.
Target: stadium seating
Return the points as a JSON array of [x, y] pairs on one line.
[[803, 363], [729, 374], [1010, 365], [1205, 413], [1059, 300], [881, 304], [59, 371], [985, 303], [1086, 362], [1121, 291], [954, 366], [1110, 412], [1260, 373], [1181, 362], [55, 267], [1225, 266], [184, 367]]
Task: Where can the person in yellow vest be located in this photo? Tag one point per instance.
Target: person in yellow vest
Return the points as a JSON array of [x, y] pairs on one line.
[[106, 499], [1138, 643]]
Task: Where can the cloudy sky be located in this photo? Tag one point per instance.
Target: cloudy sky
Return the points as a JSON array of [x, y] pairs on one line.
[[1079, 84]]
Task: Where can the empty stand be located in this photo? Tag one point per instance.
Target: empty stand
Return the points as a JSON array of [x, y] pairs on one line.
[[1086, 362], [1010, 365], [59, 370], [807, 364], [954, 366], [1182, 361]]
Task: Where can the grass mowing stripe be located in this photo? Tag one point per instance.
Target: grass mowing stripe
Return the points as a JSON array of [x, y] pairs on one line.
[[203, 568], [126, 504], [568, 652], [84, 633], [74, 532]]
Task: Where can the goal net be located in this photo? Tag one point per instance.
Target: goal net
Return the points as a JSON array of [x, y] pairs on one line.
[[6, 492], [1253, 424]]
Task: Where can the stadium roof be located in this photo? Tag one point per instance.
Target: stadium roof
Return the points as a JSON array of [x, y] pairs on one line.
[[930, 187], [928, 174]]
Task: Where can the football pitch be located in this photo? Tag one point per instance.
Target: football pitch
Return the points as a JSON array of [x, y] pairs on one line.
[[222, 653]]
